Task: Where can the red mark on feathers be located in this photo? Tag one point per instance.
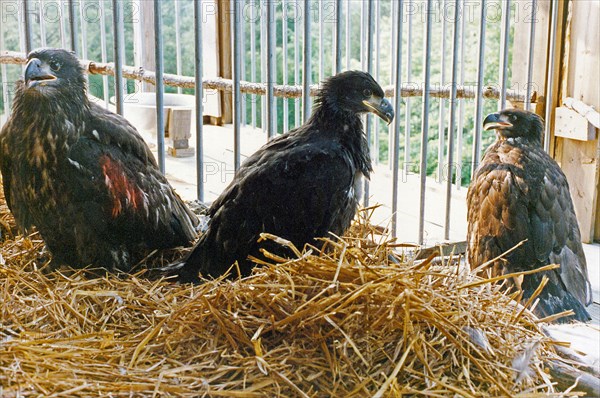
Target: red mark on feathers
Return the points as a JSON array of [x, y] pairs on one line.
[[122, 190]]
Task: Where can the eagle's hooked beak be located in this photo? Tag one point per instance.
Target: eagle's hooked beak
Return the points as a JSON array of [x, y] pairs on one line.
[[381, 107], [496, 121], [37, 72]]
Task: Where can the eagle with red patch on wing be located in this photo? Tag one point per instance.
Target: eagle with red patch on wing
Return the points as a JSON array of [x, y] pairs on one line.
[[83, 175]]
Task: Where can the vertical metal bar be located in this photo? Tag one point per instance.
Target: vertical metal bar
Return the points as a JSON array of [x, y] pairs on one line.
[[244, 120], [442, 104], [237, 97], [504, 36], [199, 93], [479, 96], [425, 117], [306, 67], [118, 53], [296, 64], [284, 40], [453, 99], [160, 104], [407, 110], [42, 25], [392, 127], [348, 25], [363, 32], [84, 47], [271, 116], [177, 43], [253, 97], [27, 27], [103, 51], [338, 36], [73, 26], [461, 107], [263, 69], [321, 41], [550, 78], [375, 121], [531, 50], [61, 23], [369, 61], [397, 121], [5, 91]]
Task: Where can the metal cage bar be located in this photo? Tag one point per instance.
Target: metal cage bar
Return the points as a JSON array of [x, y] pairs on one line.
[[271, 73], [160, 100], [425, 119], [395, 158], [452, 121], [504, 39], [479, 97], [118, 47], [199, 98], [73, 14], [27, 34], [178, 66], [103, 51], [237, 97], [407, 109], [284, 40], [531, 51], [442, 104], [338, 37], [43, 42], [369, 61], [306, 70]]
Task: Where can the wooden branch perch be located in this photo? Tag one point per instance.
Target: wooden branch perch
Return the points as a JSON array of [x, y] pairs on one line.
[[285, 91]]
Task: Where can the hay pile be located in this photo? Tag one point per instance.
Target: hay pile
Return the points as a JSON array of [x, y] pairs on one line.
[[342, 324]]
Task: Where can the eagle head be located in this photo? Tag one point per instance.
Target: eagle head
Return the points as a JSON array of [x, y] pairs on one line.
[[54, 73], [356, 92], [515, 123]]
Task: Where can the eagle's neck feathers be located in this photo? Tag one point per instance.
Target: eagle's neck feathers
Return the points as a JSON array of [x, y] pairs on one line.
[[344, 126]]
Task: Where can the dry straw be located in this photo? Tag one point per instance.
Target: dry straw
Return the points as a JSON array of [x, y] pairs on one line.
[[347, 322]]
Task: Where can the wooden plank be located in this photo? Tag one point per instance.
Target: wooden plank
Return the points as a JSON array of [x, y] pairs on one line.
[[581, 72], [579, 162], [443, 250], [572, 125]]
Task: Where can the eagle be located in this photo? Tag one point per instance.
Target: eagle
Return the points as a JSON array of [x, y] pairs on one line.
[[82, 175], [520, 194], [299, 186]]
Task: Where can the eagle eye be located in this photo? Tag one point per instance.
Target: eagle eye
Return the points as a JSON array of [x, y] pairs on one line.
[[54, 65], [367, 92]]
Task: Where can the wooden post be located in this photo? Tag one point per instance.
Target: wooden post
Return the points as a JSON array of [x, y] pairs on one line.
[[225, 55]]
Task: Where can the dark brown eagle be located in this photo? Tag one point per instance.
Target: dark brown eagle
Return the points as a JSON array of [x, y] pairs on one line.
[[519, 193], [83, 175], [299, 186]]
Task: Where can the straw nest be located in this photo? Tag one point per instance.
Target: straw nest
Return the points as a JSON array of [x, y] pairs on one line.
[[343, 323]]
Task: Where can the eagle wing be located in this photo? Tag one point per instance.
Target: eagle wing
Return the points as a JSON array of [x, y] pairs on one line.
[[295, 190], [20, 212], [555, 224], [119, 181]]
